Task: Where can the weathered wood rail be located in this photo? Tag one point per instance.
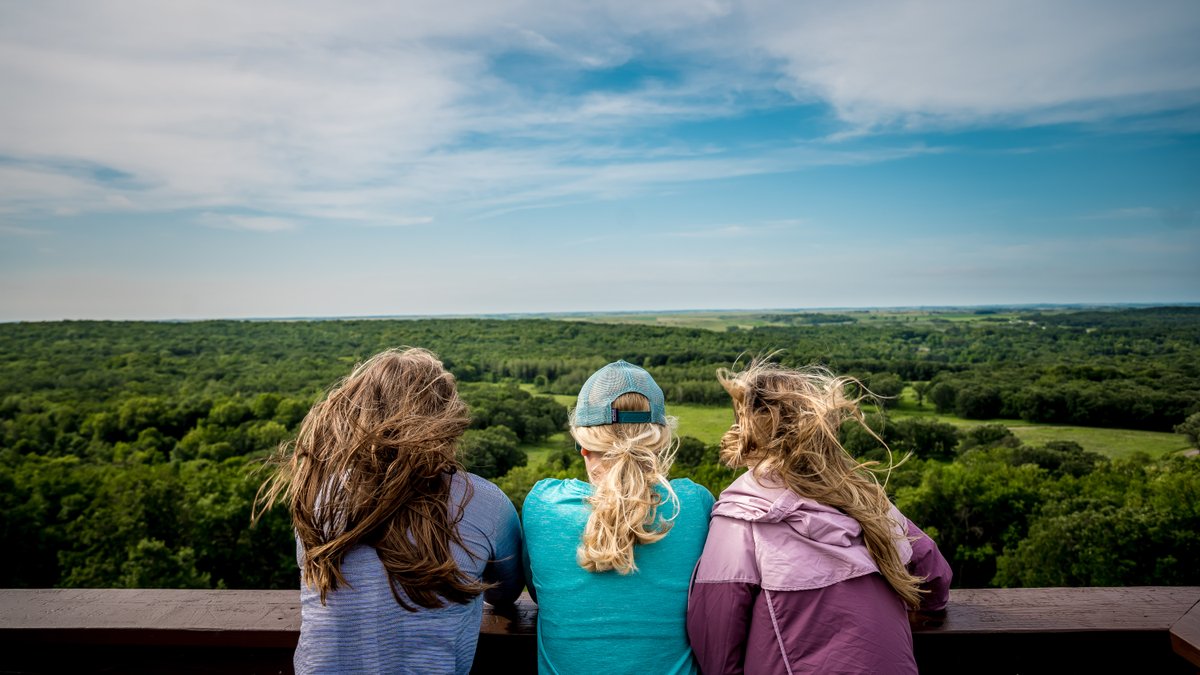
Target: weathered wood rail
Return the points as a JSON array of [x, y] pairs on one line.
[[1034, 630]]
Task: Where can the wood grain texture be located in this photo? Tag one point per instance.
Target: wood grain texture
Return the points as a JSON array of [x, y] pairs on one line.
[[1185, 635], [1065, 610], [157, 609], [1011, 610], [1008, 631]]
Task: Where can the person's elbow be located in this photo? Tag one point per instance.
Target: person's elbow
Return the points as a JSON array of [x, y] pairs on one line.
[[501, 595]]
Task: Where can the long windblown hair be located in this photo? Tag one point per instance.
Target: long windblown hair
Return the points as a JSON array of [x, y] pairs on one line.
[[372, 466], [786, 431], [635, 458]]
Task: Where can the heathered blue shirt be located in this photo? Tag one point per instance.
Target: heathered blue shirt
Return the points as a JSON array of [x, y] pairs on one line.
[[607, 622], [361, 628]]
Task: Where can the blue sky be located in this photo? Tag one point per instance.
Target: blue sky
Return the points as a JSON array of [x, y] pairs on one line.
[[279, 159]]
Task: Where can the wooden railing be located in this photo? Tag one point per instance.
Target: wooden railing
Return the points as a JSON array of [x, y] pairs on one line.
[[1034, 630]]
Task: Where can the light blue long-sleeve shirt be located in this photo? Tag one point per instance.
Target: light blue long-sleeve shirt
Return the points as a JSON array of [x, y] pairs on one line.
[[361, 628], [607, 622]]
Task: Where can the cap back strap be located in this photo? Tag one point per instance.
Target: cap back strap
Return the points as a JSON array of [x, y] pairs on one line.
[[630, 416]]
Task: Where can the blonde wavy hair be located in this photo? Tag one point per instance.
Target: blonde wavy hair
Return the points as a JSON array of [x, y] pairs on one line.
[[371, 466], [635, 458], [786, 430]]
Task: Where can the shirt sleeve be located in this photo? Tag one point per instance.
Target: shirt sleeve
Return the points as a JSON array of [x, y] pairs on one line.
[[505, 567], [927, 561], [529, 504], [528, 569]]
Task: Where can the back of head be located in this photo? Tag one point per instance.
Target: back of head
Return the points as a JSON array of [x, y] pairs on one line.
[[787, 420], [620, 416], [371, 465], [786, 430]]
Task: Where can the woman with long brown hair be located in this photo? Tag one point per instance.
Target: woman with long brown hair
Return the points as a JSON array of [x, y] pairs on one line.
[[808, 566], [397, 544]]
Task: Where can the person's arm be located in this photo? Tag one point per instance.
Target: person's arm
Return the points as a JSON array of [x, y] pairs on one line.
[[721, 597], [718, 624], [533, 513], [528, 568], [927, 561], [505, 567]]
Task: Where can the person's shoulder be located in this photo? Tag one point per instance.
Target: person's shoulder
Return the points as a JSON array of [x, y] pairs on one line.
[[689, 490], [689, 485], [482, 485], [543, 487], [484, 493], [547, 484], [550, 488], [554, 491]]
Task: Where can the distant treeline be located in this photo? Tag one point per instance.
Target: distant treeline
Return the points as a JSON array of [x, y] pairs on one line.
[[128, 451], [1131, 368]]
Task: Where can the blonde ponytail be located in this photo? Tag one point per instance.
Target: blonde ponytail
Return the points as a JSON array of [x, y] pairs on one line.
[[634, 459]]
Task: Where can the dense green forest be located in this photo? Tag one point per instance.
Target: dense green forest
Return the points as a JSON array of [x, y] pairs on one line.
[[130, 452]]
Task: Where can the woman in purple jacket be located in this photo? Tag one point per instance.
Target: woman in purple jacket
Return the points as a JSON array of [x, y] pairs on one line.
[[808, 566]]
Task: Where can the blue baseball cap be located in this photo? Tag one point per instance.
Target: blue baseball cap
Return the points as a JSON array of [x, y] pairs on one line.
[[594, 408]]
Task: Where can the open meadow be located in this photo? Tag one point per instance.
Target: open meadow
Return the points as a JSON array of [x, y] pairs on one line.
[[707, 423]]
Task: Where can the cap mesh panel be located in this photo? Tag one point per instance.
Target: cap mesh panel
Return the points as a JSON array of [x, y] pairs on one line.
[[594, 404]]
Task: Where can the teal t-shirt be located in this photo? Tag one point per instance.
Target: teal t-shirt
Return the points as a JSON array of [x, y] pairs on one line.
[[606, 622]]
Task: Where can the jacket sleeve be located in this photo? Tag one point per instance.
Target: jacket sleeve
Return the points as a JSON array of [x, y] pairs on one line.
[[721, 599], [718, 624], [927, 562]]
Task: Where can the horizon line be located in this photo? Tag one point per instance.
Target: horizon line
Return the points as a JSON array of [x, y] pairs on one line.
[[579, 313]]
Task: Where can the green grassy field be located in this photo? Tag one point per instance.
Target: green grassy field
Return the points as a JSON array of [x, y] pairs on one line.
[[928, 411], [1113, 443], [539, 452], [705, 422], [708, 423], [1109, 442], [747, 319], [715, 321]]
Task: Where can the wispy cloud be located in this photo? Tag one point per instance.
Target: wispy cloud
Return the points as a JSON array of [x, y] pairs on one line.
[[250, 223], [7, 230], [1178, 217], [718, 232], [379, 109], [735, 230], [399, 221], [145, 131], [1134, 212], [946, 63]]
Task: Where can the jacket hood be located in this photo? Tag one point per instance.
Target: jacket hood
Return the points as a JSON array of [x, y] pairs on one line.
[[747, 499], [801, 544]]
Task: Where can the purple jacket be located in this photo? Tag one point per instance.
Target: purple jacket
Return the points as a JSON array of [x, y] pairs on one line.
[[786, 585]]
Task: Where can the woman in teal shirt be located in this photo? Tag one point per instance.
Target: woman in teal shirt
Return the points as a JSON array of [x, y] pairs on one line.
[[609, 560]]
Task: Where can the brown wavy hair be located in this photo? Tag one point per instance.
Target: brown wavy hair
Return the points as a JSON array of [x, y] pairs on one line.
[[786, 430], [371, 466]]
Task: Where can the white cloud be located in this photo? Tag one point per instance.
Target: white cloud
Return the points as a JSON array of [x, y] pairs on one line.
[[357, 112], [251, 223], [15, 231], [1180, 217], [737, 230], [402, 221], [946, 62]]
